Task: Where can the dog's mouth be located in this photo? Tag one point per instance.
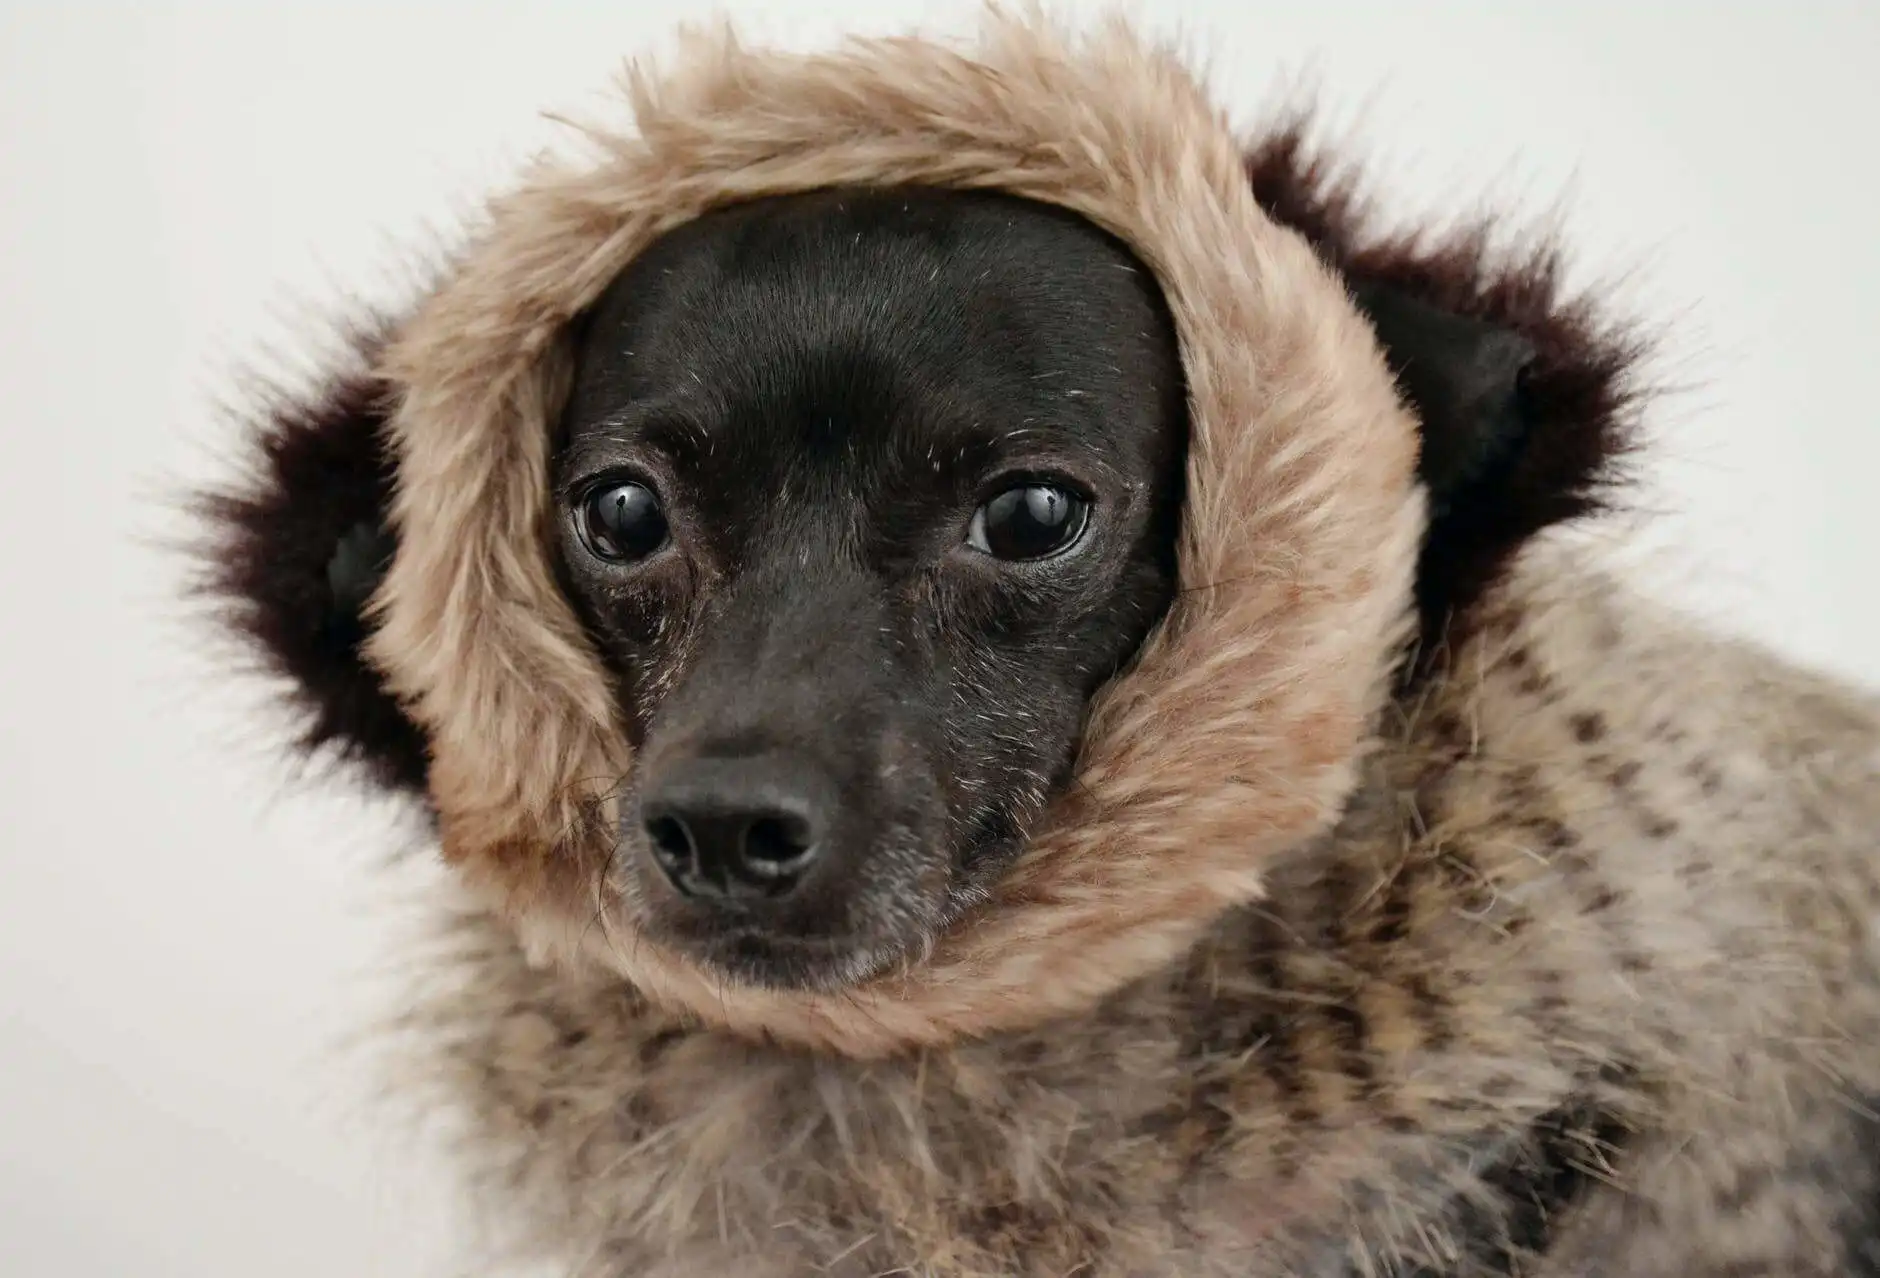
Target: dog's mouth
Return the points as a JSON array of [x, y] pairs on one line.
[[766, 955], [831, 944], [768, 960]]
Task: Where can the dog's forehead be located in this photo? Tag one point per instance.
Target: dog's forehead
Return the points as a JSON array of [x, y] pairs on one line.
[[917, 319]]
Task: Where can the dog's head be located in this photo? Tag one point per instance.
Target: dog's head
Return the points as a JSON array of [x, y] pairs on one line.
[[893, 547], [862, 496]]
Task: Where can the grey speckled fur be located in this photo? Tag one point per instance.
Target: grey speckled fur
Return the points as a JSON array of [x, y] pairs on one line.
[[1605, 858]]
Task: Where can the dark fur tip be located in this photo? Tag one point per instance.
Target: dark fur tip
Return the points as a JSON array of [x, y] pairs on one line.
[[1577, 391], [291, 551]]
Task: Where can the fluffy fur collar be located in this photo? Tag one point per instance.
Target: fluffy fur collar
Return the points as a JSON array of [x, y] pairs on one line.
[[1310, 565], [1236, 734]]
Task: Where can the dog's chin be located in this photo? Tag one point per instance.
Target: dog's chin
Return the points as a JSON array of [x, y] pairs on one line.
[[766, 960], [773, 954], [870, 934]]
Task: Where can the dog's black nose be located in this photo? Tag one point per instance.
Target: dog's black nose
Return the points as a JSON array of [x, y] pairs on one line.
[[740, 828]]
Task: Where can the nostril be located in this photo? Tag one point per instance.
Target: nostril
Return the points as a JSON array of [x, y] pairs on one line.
[[740, 828], [672, 842], [777, 845]]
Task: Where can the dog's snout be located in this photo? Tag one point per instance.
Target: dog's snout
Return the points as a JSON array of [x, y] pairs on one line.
[[736, 828]]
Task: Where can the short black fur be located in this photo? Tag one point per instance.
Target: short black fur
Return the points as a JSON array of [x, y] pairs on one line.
[[823, 389]]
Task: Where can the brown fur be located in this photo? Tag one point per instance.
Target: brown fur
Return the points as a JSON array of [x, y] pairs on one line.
[[1532, 906], [1557, 959]]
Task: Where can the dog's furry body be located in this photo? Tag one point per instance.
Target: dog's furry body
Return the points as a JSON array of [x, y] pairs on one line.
[[1582, 983], [1427, 904]]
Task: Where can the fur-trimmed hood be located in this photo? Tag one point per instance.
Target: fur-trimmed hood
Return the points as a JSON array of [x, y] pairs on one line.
[[1425, 903], [1314, 570]]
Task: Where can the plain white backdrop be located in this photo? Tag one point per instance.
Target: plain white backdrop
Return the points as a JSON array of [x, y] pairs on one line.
[[187, 937]]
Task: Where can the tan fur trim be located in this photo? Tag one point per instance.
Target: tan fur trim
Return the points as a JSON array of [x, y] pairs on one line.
[[1239, 732]]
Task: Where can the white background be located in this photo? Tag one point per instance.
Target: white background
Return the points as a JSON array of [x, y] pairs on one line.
[[185, 936]]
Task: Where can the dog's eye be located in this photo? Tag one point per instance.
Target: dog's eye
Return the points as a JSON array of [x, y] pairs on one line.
[[1030, 521], [621, 522]]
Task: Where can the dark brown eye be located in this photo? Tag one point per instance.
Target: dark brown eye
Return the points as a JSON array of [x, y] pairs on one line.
[[1029, 521], [621, 522]]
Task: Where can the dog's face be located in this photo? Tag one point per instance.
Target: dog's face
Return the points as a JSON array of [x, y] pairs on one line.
[[864, 496]]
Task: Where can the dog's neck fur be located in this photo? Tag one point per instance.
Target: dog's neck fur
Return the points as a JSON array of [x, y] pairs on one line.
[[1578, 974]]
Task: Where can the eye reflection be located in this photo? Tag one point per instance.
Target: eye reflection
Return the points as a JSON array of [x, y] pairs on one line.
[[621, 522], [1029, 521]]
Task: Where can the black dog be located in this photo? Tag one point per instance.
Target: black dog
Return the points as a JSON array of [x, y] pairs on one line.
[[866, 494]]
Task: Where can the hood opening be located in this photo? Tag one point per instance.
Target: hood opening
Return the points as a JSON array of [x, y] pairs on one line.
[[1311, 562]]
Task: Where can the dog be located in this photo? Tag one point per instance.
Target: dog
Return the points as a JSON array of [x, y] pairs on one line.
[[982, 647]]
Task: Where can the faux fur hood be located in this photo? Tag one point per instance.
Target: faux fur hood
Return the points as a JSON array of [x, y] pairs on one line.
[[1314, 571]]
